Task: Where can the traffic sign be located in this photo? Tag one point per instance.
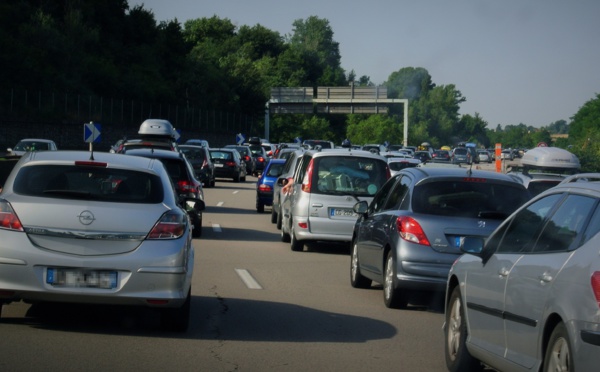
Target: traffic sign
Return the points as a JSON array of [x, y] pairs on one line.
[[177, 135], [240, 138], [298, 140], [91, 132]]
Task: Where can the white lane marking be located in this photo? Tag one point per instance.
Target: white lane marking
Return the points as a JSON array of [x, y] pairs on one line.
[[236, 191], [220, 204], [247, 278], [216, 227]]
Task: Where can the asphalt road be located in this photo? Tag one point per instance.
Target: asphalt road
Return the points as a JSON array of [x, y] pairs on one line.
[[257, 306]]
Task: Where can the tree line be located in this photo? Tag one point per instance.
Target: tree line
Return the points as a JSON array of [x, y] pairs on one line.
[[108, 48]]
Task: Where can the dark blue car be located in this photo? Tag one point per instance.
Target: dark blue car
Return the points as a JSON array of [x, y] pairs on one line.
[[264, 185]]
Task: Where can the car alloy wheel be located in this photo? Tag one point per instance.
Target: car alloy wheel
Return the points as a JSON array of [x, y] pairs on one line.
[[356, 278], [392, 297], [458, 357], [558, 353]]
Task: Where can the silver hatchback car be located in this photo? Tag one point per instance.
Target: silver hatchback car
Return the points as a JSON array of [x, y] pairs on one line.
[[102, 229], [327, 184], [528, 298]]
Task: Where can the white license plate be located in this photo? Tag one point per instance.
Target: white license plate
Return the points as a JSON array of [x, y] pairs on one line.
[[81, 278], [218, 165], [342, 212]]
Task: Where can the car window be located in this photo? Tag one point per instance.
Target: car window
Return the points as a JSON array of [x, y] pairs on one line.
[[194, 154], [89, 183], [397, 195], [380, 198], [593, 226], [565, 225], [468, 198], [522, 231], [349, 175], [275, 170], [223, 155]]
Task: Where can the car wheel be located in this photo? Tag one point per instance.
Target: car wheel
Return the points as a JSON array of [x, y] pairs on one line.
[[260, 208], [279, 220], [177, 320], [356, 278], [295, 245], [458, 357], [197, 230], [213, 182], [273, 215], [392, 297], [558, 354], [243, 179]]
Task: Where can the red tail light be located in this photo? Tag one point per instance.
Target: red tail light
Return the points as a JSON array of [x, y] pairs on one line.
[[172, 225], [265, 188], [307, 183], [260, 159], [246, 158], [186, 186], [230, 163], [596, 286], [8, 218], [410, 230]]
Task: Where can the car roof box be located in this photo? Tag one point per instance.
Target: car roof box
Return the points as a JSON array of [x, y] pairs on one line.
[[550, 157], [157, 127]]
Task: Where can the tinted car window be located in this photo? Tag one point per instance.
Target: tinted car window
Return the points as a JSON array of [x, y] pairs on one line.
[[465, 198], [225, 155], [194, 154], [565, 225], [593, 227], [520, 235], [381, 196], [89, 183]]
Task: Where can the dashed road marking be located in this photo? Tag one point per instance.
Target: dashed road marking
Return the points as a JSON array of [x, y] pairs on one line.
[[216, 227], [248, 279]]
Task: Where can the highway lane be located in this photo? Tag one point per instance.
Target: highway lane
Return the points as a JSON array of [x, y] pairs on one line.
[[257, 306]]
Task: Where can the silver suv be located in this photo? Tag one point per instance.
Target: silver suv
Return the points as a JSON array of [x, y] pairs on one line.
[[326, 185]]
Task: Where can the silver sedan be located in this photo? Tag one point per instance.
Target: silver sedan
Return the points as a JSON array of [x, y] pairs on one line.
[[97, 229]]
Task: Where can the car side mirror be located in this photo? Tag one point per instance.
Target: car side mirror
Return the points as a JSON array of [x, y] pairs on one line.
[[193, 203], [361, 207]]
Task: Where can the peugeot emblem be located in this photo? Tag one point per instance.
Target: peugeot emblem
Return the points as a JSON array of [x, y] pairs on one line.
[[86, 217], [481, 224]]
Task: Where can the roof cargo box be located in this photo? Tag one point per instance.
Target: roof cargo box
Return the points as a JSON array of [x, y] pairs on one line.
[[550, 157], [157, 127]]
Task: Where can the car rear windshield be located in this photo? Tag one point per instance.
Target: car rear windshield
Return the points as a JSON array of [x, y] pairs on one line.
[[460, 151], [222, 155], [89, 183], [480, 198], [399, 165], [349, 175], [193, 153]]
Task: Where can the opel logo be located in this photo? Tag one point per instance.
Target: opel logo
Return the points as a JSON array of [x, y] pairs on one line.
[[86, 217]]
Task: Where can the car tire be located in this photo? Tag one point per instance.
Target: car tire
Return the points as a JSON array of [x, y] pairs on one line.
[[558, 353], [197, 230], [213, 182], [295, 245], [458, 357], [273, 215], [177, 320], [356, 278], [243, 178], [392, 297], [236, 178], [260, 208], [279, 220]]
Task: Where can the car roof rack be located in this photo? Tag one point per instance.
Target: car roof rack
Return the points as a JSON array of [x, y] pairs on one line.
[[586, 177]]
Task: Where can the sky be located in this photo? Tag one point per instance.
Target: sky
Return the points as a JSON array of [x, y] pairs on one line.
[[514, 61]]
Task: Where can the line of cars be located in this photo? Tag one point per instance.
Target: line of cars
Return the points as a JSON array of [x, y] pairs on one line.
[[520, 272]]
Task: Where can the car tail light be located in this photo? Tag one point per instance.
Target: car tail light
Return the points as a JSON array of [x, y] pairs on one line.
[[171, 225], [261, 159], [8, 218], [410, 230], [307, 183], [265, 188], [246, 158], [596, 286], [230, 163], [303, 225], [186, 186]]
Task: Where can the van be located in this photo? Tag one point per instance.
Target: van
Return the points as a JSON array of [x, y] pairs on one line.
[[326, 185]]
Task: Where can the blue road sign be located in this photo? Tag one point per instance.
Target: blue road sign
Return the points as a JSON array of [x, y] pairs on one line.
[[240, 138], [91, 132]]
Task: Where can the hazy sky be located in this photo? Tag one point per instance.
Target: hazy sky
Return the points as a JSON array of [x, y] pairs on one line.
[[515, 61]]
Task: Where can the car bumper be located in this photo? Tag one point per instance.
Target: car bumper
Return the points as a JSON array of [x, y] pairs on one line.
[[155, 270]]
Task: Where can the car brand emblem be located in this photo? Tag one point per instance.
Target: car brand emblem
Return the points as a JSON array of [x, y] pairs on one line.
[[481, 224], [86, 217]]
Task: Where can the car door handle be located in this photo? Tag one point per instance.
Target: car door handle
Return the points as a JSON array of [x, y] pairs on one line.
[[317, 205], [503, 272]]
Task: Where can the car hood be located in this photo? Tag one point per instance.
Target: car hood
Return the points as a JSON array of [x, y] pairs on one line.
[[86, 228]]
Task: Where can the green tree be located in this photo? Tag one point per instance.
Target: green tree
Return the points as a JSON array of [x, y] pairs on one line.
[[363, 129], [584, 134]]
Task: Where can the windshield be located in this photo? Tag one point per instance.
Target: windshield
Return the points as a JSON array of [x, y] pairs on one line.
[[349, 175]]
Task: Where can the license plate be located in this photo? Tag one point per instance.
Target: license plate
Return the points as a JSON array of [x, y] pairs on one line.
[[342, 212], [218, 165], [81, 278]]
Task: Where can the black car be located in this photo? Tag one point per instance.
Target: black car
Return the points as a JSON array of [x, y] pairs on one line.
[[199, 158], [228, 164], [260, 156], [247, 157], [184, 178]]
